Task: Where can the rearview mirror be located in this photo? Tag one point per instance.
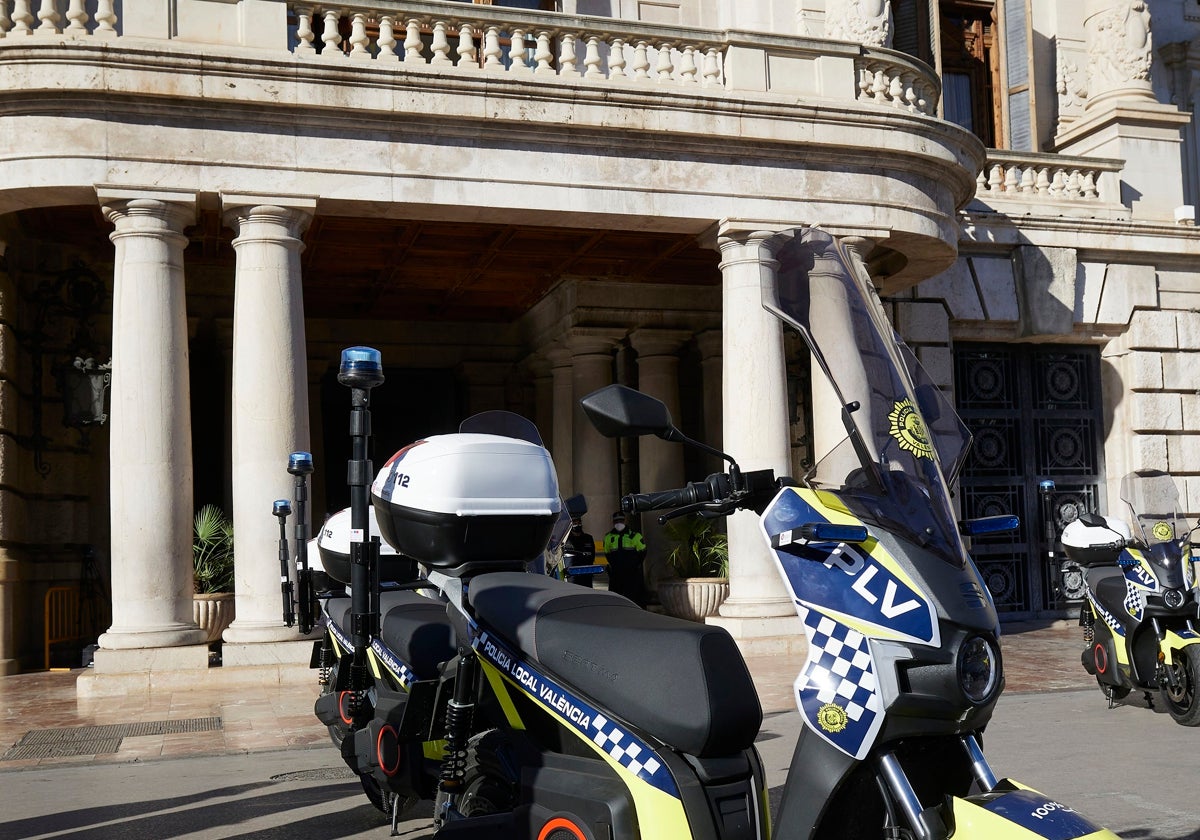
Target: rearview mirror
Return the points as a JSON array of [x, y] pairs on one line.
[[618, 411]]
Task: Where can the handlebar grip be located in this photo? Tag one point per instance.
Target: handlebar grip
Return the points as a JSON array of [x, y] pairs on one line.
[[696, 491]]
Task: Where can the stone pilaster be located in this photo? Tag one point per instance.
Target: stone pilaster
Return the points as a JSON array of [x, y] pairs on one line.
[[594, 457], [660, 464], [759, 614], [9, 575], [150, 427], [270, 404], [562, 435]]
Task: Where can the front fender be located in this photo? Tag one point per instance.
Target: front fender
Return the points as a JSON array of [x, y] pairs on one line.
[[1011, 812], [1177, 640]]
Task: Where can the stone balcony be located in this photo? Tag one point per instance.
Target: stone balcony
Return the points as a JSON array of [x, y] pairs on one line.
[[445, 110]]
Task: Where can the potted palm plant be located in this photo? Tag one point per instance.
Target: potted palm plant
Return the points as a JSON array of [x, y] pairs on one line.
[[212, 567], [700, 558]]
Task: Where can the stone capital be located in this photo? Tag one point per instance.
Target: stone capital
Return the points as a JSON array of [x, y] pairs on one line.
[[649, 342], [709, 343], [267, 219], [150, 212], [588, 341]]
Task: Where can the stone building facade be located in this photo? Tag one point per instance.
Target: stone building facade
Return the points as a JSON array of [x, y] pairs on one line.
[[520, 202]]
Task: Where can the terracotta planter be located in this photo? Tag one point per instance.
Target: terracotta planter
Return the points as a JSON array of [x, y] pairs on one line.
[[693, 598], [213, 612]]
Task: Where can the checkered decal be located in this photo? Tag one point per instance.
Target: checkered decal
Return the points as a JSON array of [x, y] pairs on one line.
[[394, 663], [839, 675], [627, 752], [1134, 600]]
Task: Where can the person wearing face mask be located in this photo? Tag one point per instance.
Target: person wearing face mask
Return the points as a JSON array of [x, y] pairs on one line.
[[626, 552]]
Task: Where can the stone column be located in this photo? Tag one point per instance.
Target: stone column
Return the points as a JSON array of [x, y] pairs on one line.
[[593, 456], [660, 464], [709, 343], [538, 367], [150, 435], [9, 574], [270, 406], [759, 614], [11, 521], [562, 437]]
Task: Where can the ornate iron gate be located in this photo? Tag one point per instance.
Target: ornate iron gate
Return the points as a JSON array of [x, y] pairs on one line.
[[1035, 412]]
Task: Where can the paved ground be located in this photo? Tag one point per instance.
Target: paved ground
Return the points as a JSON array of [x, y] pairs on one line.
[[269, 772]]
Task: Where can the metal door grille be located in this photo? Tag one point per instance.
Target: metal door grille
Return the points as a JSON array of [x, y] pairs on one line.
[[1036, 413]]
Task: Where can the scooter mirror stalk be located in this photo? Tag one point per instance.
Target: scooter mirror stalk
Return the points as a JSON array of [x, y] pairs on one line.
[[300, 465], [361, 370], [620, 411], [281, 510]]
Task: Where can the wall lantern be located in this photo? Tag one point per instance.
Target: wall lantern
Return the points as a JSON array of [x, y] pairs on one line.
[[73, 295]]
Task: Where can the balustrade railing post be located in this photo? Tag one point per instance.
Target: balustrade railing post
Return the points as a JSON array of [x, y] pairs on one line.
[[358, 37], [5, 20], [665, 67], [492, 52], [567, 58], [687, 65], [22, 17], [466, 48], [330, 37], [517, 61], [641, 61], [387, 40], [48, 18], [304, 31], [591, 59], [616, 61], [412, 42], [76, 18], [712, 67], [543, 56], [441, 44]]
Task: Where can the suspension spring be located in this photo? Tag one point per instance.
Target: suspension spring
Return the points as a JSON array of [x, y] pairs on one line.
[[325, 664], [1088, 621], [459, 717]]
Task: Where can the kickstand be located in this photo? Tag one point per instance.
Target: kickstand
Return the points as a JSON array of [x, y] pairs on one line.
[[396, 815]]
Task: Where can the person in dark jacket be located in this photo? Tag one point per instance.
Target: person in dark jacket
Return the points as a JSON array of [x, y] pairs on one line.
[[626, 552], [580, 550]]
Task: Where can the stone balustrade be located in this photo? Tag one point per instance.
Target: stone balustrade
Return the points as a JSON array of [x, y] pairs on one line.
[[1030, 176], [890, 78], [517, 42]]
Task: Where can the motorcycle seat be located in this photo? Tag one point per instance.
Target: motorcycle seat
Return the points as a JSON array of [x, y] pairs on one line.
[[413, 627], [682, 682]]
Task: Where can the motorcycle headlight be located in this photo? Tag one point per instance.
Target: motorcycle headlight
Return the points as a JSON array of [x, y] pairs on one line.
[[1173, 598], [979, 669]]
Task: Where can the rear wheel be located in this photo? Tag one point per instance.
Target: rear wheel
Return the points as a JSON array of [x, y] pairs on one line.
[[1181, 701], [491, 782]]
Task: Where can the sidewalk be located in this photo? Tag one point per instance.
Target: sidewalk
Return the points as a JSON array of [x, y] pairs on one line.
[[244, 716]]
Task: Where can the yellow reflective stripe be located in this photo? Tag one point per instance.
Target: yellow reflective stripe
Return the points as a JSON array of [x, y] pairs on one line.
[[496, 681]]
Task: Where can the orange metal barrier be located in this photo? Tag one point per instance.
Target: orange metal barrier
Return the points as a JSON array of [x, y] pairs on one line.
[[62, 618]]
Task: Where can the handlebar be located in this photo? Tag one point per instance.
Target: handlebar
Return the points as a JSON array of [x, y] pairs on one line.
[[695, 492], [718, 495]]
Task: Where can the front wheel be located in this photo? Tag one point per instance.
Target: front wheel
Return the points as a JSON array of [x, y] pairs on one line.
[[1181, 701]]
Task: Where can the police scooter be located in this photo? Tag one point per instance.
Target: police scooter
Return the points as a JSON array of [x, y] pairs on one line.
[[1140, 619], [904, 666]]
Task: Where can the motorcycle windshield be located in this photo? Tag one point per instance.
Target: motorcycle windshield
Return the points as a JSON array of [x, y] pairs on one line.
[[508, 424], [1153, 502], [902, 436]]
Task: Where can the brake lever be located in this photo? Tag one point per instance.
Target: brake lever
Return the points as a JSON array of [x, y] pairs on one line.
[[705, 509]]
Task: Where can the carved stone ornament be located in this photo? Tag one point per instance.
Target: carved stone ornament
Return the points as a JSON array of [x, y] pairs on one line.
[[867, 22], [1119, 48]]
